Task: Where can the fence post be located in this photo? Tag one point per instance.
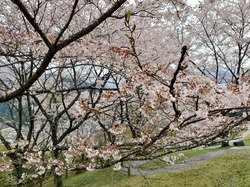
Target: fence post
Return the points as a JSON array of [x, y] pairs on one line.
[[129, 173], [66, 174]]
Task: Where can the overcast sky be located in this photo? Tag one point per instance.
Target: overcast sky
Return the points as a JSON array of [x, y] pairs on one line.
[[192, 2]]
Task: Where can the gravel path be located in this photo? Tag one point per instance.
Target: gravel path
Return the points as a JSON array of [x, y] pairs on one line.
[[134, 165]]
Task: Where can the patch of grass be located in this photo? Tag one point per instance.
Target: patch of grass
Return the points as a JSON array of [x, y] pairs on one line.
[[2, 148], [233, 135], [96, 178], [246, 140], [228, 170], [153, 164], [159, 163]]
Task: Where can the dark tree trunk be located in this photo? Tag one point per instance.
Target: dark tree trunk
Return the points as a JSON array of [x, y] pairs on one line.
[[19, 172], [58, 180]]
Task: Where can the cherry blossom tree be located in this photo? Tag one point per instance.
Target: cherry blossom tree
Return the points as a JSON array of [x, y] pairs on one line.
[[223, 39], [101, 82], [32, 34], [49, 113]]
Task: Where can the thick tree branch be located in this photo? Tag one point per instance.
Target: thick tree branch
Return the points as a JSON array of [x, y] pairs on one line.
[[68, 22], [173, 80], [47, 59], [54, 49], [92, 26], [32, 22]]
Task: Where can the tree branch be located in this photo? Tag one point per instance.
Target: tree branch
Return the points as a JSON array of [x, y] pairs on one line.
[[32, 22], [92, 26]]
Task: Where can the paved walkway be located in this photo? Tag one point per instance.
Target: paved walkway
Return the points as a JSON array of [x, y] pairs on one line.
[[134, 165]]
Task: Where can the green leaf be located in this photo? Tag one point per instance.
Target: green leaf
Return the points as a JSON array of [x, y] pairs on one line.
[[247, 71], [132, 40], [127, 16], [129, 37], [133, 28]]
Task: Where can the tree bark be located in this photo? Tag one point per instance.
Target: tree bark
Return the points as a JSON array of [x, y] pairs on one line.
[[58, 180]]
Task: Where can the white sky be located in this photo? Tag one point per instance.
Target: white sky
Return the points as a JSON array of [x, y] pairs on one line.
[[192, 2]]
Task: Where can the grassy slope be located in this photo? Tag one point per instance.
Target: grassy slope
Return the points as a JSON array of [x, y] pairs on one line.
[[247, 140], [96, 178], [158, 163], [229, 170]]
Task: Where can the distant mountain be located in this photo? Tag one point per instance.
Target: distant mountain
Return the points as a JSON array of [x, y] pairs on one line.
[[11, 114]]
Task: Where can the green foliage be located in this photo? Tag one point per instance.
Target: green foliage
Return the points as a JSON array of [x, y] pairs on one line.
[[127, 16], [131, 29], [246, 140], [4, 179], [2, 148], [96, 178]]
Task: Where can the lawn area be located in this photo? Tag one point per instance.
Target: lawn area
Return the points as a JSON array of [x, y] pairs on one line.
[[246, 140], [159, 163], [96, 178], [228, 170]]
